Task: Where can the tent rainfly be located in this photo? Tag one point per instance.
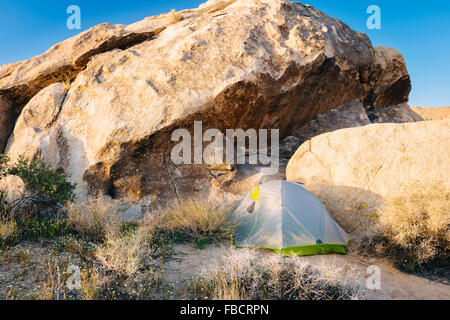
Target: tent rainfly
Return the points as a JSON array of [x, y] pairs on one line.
[[285, 217]]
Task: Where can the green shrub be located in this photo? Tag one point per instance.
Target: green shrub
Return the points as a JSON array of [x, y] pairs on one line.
[[45, 190], [38, 229], [41, 182]]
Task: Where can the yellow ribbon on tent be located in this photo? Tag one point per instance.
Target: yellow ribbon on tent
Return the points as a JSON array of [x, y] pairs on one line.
[[255, 194]]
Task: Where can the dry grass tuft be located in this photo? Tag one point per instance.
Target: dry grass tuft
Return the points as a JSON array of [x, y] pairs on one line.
[[125, 253], [198, 220], [244, 275], [53, 287], [8, 228], [92, 220], [414, 227], [91, 283]]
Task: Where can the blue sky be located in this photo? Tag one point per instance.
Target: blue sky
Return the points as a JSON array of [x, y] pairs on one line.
[[420, 30]]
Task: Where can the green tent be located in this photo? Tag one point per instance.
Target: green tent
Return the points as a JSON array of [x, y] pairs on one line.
[[285, 217]]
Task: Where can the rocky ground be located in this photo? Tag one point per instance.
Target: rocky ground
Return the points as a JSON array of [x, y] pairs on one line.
[[188, 262], [24, 270]]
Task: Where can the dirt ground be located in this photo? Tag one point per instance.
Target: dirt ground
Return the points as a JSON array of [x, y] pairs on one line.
[[188, 262], [25, 267], [22, 269]]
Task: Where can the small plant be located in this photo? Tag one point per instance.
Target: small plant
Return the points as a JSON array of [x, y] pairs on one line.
[[66, 80], [53, 286], [90, 283], [8, 228], [126, 254], [23, 257], [42, 183], [71, 244]]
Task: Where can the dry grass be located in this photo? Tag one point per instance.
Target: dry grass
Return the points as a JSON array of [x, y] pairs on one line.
[[244, 275], [125, 253], [92, 220], [198, 220], [8, 227], [91, 283], [53, 287], [414, 227], [422, 212]]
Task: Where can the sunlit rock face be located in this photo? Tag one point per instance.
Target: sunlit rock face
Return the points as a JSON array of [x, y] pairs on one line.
[[357, 168], [230, 64]]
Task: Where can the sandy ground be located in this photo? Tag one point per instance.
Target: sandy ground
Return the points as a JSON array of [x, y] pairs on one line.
[[441, 113], [21, 273], [188, 262]]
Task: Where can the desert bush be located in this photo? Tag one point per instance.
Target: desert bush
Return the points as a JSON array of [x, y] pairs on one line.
[[34, 228], [44, 187], [201, 221], [36, 214], [42, 182], [414, 227], [13, 231], [125, 254], [243, 275]]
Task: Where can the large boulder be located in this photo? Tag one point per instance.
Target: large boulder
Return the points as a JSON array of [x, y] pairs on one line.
[[355, 169], [20, 81], [351, 114], [31, 136], [230, 64], [389, 82], [401, 113], [65, 60], [8, 115]]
